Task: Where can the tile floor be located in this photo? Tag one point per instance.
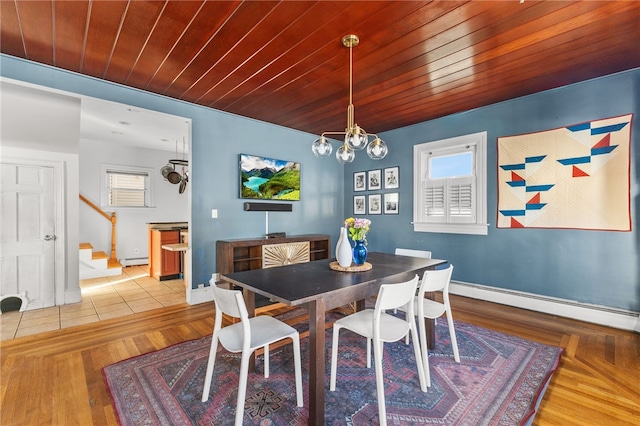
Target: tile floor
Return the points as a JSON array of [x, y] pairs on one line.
[[102, 298]]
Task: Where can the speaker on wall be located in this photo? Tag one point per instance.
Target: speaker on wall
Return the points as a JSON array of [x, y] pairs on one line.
[[268, 207]]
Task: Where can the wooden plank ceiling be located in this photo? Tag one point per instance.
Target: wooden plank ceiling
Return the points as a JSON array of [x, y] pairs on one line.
[[283, 61]]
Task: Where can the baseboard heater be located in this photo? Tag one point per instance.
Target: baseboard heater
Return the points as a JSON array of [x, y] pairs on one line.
[[134, 261], [597, 314]]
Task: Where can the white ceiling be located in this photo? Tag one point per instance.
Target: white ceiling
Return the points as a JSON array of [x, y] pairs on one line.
[[100, 120], [121, 124]]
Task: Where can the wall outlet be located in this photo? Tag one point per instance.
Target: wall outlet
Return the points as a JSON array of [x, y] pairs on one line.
[[215, 277], [200, 285], [214, 213]]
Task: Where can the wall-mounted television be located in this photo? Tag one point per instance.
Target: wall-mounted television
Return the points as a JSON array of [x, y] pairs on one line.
[[269, 179]]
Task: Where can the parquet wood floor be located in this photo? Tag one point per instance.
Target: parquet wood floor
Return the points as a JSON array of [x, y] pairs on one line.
[[55, 378]]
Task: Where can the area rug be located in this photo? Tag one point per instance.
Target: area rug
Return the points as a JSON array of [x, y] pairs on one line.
[[497, 382]]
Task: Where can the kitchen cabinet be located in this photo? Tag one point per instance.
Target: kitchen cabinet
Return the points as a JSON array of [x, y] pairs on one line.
[[164, 264]]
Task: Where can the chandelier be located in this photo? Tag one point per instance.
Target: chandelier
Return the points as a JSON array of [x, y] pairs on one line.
[[355, 137]]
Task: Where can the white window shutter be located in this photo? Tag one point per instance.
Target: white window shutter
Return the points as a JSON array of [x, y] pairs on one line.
[[461, 200], [434, 207]]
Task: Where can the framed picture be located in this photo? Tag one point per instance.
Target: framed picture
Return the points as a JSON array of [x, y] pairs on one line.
[[375, 204], [392, 178], [375, 180], [391, 204], [359, 204], [360, 181]]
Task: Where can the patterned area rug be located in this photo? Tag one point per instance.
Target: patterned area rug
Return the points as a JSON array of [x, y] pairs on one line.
[[497, 382]]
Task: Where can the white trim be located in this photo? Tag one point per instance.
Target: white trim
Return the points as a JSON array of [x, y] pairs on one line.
[[596, 314], [452, 228], [199, 295], [202, 294], [72, 296]]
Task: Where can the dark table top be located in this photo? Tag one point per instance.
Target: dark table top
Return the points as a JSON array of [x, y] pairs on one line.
[[303, 282]]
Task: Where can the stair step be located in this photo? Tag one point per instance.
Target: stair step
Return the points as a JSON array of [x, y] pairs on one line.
[[97, 255], [95, 264], [85, 252]]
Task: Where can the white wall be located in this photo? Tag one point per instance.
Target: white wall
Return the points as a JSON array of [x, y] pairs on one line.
[[44, 127], [37, 119], [169, 204]]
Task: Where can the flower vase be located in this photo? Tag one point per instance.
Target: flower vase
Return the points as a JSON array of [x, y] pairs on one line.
[[359, 252], [343, 249]]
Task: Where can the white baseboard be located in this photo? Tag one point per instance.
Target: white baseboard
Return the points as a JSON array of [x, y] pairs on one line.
[[602, 315], [201, 294], [72, 296]]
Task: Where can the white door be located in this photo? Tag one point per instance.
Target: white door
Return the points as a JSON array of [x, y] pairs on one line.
[[27, 233]]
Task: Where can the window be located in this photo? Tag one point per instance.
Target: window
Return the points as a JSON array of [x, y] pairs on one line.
[[126, 186], [449, 190]]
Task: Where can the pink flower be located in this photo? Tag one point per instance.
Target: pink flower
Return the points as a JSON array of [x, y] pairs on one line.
[[358, 228]]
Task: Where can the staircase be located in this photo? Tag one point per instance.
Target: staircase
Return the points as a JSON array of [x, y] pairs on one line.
[[96, 264]]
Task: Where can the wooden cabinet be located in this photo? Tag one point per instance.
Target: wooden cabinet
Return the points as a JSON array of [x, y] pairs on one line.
[[163, 264], [244, 255]]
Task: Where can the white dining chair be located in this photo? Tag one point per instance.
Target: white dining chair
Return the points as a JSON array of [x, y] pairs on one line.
[[425, 254], [379, 327], [433, 281], [246, 336]]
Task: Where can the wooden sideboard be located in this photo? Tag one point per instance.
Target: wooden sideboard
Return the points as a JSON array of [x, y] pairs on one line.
[[247, 254], [258, 253]]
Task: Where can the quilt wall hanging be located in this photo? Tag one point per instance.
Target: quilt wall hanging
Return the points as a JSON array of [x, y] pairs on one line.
[[574, 177]]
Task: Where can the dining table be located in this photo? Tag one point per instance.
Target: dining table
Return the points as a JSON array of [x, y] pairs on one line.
[[318, 287]]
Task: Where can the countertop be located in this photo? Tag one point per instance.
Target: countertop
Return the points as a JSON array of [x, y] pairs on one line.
[[175, 247], [168, 226]]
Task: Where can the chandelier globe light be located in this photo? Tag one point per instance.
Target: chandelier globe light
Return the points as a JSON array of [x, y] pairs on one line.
[[345, 155], [321, 147], [377, 149], [355, 137]]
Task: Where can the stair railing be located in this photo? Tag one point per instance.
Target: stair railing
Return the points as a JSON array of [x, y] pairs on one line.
[[110, 217]]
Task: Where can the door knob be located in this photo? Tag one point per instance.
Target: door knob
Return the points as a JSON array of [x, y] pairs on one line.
[[49, 237]]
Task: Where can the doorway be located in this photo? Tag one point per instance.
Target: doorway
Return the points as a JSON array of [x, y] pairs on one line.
[[116, 138]]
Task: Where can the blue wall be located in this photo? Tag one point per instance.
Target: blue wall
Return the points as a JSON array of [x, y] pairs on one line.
[[217, 140], [587, 266]]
